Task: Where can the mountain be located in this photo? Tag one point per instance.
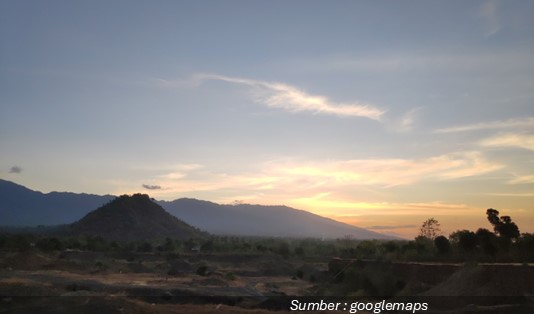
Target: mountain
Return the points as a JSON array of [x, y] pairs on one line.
[[20, 206], [258, 220], [130, 218]]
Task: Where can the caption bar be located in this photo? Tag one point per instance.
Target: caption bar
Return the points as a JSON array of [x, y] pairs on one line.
[[355, 307]]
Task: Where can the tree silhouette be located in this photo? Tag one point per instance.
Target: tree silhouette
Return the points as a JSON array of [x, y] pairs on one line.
[[487, 241], [508, 228], [493, 218], [430, 229], [465, 239], [442, 244], [503, 226]]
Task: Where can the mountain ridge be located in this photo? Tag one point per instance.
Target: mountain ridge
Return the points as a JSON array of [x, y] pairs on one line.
[[276, 220], [21, 206]]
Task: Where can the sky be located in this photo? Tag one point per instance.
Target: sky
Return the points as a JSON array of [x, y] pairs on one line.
[[380, 114]]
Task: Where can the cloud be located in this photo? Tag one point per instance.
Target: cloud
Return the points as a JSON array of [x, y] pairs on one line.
[[152, 187], [506, 124], [407, 121], [522, 179], [510, 140], [310, 183], [15, 169], [488, 13], [391, 227], [512, 194], [350, 208], [388, 172], [167, 167], [290, 98]]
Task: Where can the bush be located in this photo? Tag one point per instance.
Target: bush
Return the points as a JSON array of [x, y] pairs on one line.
[[49, 244], [202, 270], [230, 276], [17, 242]]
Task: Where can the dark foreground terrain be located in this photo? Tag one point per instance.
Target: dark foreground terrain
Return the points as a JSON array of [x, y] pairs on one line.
[[135, 282], [145, 282]]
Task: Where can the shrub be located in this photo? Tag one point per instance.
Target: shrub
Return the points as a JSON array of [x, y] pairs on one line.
[[202, 270]]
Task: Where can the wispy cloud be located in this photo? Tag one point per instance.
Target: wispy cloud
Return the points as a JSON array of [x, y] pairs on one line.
[[391, 172], [349, 209], [290, 98], [152, 187], [296, 179], [392, 227], [506, 124], [510, 140], [522, 179], [512, 194], [405, 122], [488, 11], [408, 119], [15, 169]]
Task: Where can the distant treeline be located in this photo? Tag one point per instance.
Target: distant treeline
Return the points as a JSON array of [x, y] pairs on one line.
[[214, 244], [461, 246], [504, 244]]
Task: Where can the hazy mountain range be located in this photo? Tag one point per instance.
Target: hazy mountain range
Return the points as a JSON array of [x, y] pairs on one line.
[[246, 219], [20, 206]]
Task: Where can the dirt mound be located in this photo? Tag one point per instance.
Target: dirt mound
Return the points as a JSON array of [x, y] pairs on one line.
[[63, 265], [309, 272], [179, 267], [25, 261], [212, 282], [275, 266], [487, 280]]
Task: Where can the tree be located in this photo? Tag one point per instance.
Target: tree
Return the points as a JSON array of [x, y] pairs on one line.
[[508, 228], [465, 239], [493, 218], [430, 229], [18, 242], [442, 244], [526, 247], [169, 246], [207, 246], [503, 226], [96, 243], [144, 247], [299, 251], [49, 244], [283, 249], [487, 241]]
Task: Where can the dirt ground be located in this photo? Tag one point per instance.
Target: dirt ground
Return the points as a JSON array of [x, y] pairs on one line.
[[89, 282], [85, 282]]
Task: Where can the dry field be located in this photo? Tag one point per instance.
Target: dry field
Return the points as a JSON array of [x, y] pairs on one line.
[[144, 283]]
